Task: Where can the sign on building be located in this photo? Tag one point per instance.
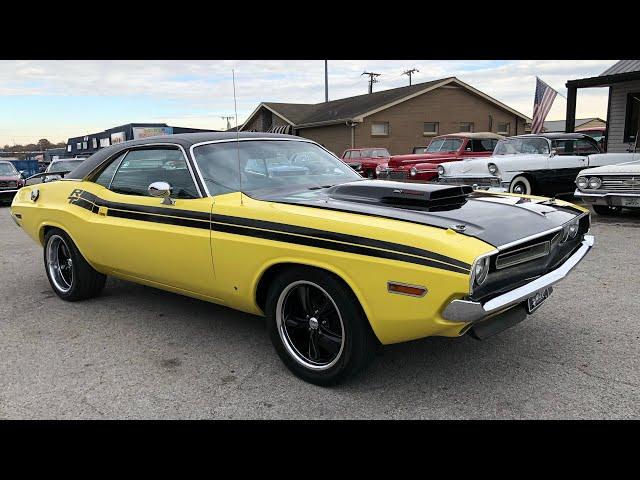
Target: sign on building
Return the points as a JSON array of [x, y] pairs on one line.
[[104, 142], [118, 137], [144, 132]]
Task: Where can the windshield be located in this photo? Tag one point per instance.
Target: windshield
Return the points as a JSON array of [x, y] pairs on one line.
[[7, 169], [517, 146], [444, 145], [269, 166], [64, 166], [375, 153]]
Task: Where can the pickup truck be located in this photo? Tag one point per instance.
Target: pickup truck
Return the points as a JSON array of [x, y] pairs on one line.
[[443, 148]]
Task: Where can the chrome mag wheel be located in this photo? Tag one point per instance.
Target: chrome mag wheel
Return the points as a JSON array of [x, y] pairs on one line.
[[310, 325], [60, 263]]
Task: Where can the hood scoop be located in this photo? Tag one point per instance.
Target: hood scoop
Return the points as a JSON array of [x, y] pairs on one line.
[[402, 195]]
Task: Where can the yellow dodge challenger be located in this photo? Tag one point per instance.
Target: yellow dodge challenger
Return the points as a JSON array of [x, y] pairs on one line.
[[276, 225]]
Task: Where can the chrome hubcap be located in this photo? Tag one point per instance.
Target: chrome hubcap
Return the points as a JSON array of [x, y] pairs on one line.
[[519, 188], [59, 263], [310, 325]]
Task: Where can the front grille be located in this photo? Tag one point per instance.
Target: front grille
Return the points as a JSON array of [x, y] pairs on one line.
[[8, 184], [398, 174], [480, 181], [621, 183]]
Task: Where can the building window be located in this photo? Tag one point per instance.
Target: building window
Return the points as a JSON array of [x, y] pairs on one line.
[[430, 128], [504, 128], [466, 127], [84, 145], [94, 143], [69, 148], [632, 118], [78, 146], [380, 129]]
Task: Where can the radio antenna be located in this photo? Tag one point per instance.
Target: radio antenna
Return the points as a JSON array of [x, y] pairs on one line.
[[235, 107]]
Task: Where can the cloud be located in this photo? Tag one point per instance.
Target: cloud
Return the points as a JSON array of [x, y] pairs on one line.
[[203, 91]]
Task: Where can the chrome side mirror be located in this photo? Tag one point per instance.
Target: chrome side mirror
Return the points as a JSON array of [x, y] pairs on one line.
[[161, 190], [553, 152]]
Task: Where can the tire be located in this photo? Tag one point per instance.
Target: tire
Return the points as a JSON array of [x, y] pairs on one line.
[[69, 274], [606, 210], [371, 174], [521, 185], [323, 351]]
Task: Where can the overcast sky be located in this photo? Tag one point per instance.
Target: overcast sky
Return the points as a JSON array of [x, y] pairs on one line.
[[61, 99]]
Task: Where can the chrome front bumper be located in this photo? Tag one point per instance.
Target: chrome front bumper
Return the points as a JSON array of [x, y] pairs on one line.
[[468, 311], [605, 198]]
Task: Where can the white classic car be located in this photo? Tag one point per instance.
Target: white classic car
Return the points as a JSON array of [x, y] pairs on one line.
[[540, 164], [611, 188]]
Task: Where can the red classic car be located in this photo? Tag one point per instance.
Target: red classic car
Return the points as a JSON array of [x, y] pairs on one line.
[[369, 158], [443, 148], [11, 180]]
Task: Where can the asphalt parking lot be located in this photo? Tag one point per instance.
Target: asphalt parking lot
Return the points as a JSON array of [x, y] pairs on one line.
[[137, 352]]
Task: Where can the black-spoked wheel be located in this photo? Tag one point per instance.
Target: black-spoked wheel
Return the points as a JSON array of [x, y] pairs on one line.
[[59, 263], [607, 210], [317, 325], [310, 325], [70, 275]]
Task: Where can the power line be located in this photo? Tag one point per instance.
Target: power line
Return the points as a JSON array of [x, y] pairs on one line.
[[372, 79], [409, 73]]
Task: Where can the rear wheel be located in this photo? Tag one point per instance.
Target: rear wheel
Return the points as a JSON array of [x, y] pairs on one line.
[[318, 327], [607, 210], [521, 185], [69, 274]]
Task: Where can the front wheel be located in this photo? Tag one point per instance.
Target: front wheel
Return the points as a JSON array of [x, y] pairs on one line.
[[521, 185], [318, 327], [69, 274], [607, 210]]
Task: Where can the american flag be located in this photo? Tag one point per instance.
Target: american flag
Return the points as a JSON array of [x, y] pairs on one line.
[[545, 95]]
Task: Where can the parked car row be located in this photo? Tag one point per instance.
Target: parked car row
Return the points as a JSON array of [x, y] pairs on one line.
[[533, 164]]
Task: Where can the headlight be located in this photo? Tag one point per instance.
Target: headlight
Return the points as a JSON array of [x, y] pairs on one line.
[[595, 182], [440, 170], [379, 168], [582, 182], [493, 168], [414, 171], [480, 270], [569, 231]]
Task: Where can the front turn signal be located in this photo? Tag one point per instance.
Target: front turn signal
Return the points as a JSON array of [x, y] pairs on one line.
[[404, 289]]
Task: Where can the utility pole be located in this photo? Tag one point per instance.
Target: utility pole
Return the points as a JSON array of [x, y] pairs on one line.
[[372, 79], [326, 82], [228, 122], [409, 73]]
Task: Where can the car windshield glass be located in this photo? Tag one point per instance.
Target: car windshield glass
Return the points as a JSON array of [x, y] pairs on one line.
[[269, 166], [516, 146], [375, 153], [64, 166], [7, 169], [444, 145], [418, 150]]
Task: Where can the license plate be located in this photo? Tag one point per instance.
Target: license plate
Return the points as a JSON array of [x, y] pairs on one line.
[[631, 201], [538, 299]]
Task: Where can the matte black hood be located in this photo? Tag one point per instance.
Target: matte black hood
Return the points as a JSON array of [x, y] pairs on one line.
[[493, 218]]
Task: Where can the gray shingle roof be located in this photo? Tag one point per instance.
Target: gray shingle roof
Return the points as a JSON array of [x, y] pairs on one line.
[[623, 66], [559, 125]]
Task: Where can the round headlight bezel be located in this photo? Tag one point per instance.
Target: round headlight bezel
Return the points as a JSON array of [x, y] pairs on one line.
[[480, 270], [440, 170], [493, 168], [595, 183], [582, 182], [413, 172]]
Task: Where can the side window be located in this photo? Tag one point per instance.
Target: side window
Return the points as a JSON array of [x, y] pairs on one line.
[[585, 147], [484, 145], [105, 177], [347, 154], [140, 168], [565, 147]]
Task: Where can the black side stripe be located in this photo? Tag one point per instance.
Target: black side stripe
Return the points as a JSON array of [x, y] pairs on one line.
[[283, 232]]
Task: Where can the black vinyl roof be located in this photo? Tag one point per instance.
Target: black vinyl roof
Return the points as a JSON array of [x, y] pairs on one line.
[[185, 140]]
